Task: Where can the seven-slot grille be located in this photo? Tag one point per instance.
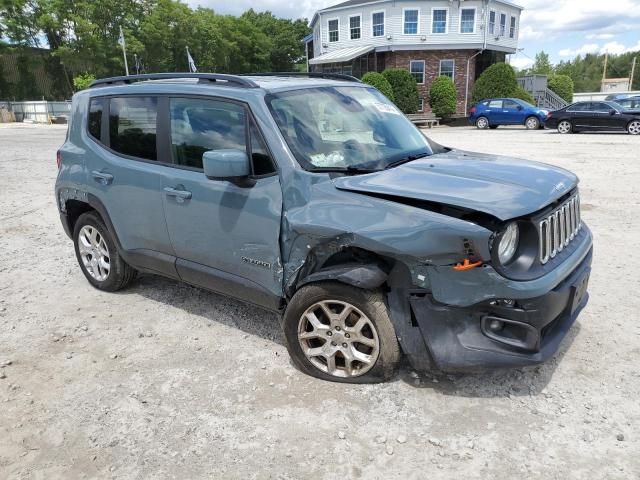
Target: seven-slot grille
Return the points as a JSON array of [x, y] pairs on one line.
[[559, 228]]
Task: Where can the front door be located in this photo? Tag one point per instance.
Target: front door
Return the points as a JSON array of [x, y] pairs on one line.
[[225, 234], [512, 113]]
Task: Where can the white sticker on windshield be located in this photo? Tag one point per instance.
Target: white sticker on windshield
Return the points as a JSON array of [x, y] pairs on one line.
[[333, 159], [386, 108]]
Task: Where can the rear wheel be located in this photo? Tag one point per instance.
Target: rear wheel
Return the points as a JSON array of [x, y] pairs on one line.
[[98, 256], [532, 123], [341, 333], [634, 127], [493, 127], [565, 127], [482, 123]]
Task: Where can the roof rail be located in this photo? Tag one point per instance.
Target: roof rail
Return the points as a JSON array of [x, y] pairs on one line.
[[234, 80], [329, 76]]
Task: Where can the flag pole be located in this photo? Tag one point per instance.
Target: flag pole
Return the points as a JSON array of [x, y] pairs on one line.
[[124, 52]]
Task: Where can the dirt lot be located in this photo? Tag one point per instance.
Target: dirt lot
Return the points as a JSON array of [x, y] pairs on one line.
[[168, 381]]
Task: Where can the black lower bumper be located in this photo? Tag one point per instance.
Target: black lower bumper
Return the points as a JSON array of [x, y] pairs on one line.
[[500, 333]]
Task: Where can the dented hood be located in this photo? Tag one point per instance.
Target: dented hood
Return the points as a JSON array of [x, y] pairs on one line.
[[500, 186]]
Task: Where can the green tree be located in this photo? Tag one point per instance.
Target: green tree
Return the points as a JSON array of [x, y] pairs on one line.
[[499, 80], [522, 94], [561, 85], [82, 81], [378, 81], [443, 97], [542, 65], [405, 89]]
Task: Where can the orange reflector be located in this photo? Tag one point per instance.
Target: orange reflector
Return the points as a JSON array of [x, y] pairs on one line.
[[466, 265]]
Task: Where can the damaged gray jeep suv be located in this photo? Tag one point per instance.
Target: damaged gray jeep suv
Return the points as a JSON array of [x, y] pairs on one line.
[[313, 196]]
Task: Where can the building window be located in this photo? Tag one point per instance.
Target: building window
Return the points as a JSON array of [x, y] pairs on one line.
[[447, 68], [411, 18], [512, 28], [334, 26], [421, 106], [416, 67], [377, 22], [354, 27], [503, 23], [492, 22], [468, 20], [439, 23]]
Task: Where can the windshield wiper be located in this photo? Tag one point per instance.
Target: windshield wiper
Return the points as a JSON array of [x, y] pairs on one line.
[[407, 159]]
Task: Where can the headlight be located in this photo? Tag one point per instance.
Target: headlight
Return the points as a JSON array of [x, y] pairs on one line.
[[508, 243]]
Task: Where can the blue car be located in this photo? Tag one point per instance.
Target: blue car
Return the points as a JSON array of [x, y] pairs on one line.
[[493, 112]]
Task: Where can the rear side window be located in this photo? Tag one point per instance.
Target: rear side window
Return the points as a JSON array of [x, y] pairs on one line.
[[495, 104], [579, 107], [132, 126], [96, 107]]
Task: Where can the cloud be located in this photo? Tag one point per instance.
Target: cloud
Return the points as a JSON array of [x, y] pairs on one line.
[[521, 63], [611, 47], [600, 36]]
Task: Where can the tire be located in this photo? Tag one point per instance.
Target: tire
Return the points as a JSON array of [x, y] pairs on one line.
[[98, 256], [493, 127], [532, 123], [634, 127], [564, 127], [331, 338], [482, 123]]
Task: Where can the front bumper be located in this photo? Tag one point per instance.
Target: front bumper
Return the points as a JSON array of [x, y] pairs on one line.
[[461, 339]]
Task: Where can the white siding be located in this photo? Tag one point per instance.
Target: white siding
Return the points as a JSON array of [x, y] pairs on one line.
[[394, 24]]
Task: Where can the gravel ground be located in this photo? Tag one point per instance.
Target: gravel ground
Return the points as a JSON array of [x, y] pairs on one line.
[[167, 381]]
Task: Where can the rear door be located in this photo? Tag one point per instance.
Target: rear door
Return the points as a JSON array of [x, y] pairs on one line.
[[225, 234], [494, 112], [582, 116]]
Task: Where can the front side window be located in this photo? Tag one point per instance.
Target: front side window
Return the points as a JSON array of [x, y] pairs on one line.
[[467, 20], [439, 24], [503, 23], [333, 30], [94, 125], [354, 27], [132, 126], [345, 128], [492, 22], [416, 67], [512, 28], [411, 22], [510, 104], [377, 21], [447, 68]]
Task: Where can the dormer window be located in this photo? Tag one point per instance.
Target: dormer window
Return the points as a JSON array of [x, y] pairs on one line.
[[354, 27], [333, 28], [411, 21], [439, 20]]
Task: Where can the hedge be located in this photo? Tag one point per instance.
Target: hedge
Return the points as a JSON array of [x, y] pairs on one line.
[[405, 89], [498, 80], [442, 97], [562, 85], [378, 81]]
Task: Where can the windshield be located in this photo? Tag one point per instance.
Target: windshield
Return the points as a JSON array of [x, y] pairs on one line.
[[345, 128]]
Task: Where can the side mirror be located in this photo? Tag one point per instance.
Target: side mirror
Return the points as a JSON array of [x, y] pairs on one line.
[[519, 107], [226, 164], [612, 111]]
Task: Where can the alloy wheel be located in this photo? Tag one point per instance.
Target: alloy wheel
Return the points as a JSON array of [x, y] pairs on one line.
[[564, 127], [94, 253], [634, 127], [532, 123], [338, 338], [482, 123]]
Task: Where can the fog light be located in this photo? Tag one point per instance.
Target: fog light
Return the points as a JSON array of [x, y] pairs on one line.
[[496, 325]]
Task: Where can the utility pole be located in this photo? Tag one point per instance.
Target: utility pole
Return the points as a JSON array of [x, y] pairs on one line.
[[604, 72], [633, 71]]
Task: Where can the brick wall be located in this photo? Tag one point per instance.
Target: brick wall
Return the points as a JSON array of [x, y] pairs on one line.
[[401, 59]]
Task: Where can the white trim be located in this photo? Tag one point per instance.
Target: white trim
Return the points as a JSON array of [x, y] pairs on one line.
[[515, 26], [424, 70], [359, 15], [329, 30], [421, 106], [495, 22], [453, 75], [384, 24], [412, 9], [475, 19], [446, 23]]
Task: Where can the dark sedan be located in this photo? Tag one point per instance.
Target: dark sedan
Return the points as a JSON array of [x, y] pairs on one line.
[[594, 116]]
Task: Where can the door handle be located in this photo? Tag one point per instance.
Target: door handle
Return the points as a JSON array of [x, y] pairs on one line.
[[179, 194], [102, 177]]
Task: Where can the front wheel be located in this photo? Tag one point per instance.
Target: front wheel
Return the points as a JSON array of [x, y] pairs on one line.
[[634, 127], [341, 333], [482, 123], [565, 127], [532, 123]]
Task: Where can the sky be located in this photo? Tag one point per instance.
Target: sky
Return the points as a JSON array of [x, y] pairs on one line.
[[562, 28]]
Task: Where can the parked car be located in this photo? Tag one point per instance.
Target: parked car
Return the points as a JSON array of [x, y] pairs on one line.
[[617, 96], [494, 112], [629, 103], [594, 116], [315, 197]]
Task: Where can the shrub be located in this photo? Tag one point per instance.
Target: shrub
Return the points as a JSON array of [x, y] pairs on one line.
[[442, 97], [562, 85], [405, 89], [378, 81], [522, 94], [82, 81], [498, 80]]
